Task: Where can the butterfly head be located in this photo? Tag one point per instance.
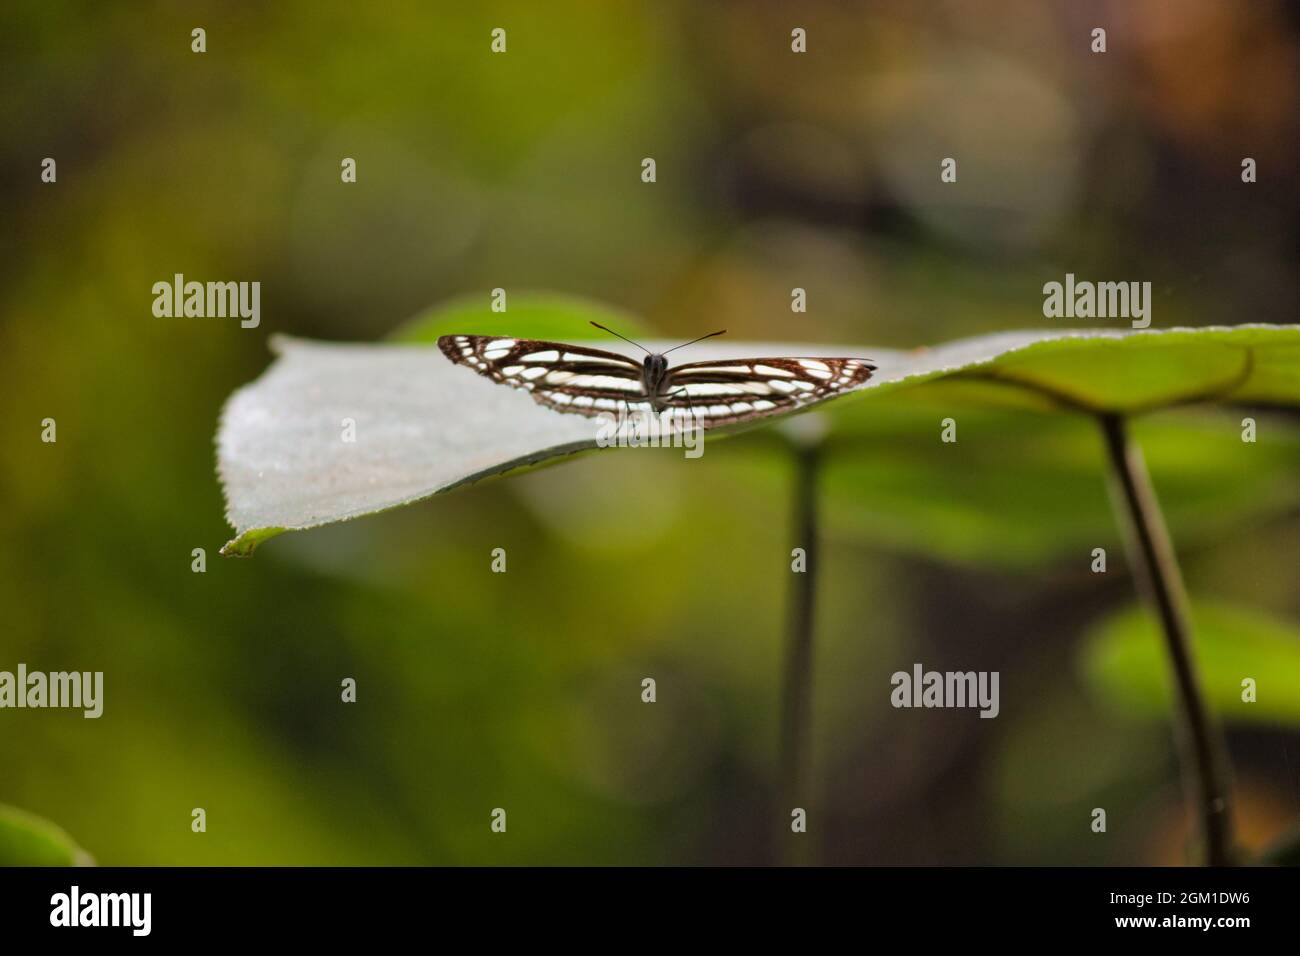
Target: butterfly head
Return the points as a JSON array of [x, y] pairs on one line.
[[654, 371]]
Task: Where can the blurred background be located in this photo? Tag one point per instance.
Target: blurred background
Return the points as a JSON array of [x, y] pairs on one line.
[[775, 170]]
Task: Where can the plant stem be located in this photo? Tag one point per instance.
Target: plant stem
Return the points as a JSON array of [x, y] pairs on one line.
[[797, 697], [1151, 549]]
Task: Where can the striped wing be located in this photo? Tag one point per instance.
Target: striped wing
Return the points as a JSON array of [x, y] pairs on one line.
[[586, 381], [738, 390], [568, 378]]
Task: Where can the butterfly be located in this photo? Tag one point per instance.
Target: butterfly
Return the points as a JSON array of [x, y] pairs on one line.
[[586, 381]]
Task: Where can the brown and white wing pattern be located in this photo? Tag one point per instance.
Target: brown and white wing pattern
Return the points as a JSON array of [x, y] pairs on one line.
[[587, 381], [568, 378], [739, 390]]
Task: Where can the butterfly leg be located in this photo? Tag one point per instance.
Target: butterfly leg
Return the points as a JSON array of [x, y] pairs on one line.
[[689, 403], [628, 423]]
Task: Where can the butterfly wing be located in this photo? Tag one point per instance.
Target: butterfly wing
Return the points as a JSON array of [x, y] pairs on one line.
[[738, 390], [587, 381], [568, 378]]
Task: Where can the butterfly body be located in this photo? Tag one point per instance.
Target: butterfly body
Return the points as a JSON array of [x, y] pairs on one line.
[[581, 380], [654, 376]]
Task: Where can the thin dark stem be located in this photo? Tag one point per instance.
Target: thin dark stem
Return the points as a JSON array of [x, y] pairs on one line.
[[1152, 550], [797, 699]]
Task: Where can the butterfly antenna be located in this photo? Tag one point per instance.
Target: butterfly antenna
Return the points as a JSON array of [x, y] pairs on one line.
[[623, 337], [693, 341]]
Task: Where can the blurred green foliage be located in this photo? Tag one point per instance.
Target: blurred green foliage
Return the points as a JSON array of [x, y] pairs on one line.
[[26, 840], [1124, 659], [538, 315]]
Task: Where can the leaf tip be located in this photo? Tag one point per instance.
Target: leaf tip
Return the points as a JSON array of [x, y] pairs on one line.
[[245, 543]]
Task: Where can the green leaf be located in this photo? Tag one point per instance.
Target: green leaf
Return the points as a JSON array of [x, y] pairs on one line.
[[424, 426], [1124, 661], [28, 840], [260, 433], [1119, 371]]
